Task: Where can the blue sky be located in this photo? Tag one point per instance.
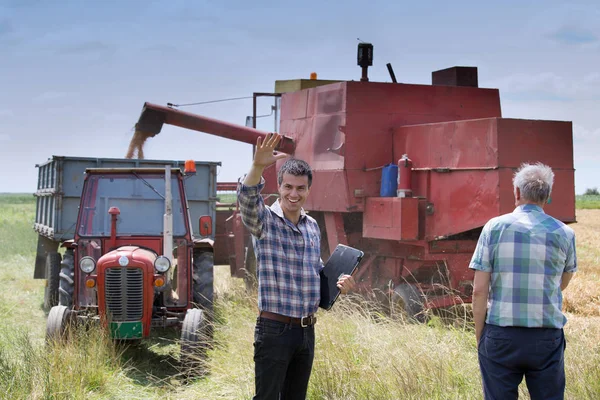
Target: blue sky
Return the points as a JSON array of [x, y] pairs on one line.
[[75, 74]]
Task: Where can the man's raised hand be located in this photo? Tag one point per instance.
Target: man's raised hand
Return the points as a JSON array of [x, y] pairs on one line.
[[265, 154]]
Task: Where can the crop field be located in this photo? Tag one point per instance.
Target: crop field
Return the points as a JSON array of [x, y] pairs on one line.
[[360, 353]]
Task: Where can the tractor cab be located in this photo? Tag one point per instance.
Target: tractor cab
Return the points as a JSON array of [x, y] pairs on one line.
[[122, 221]]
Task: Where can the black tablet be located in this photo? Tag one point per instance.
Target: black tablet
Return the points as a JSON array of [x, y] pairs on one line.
[[343, 261]]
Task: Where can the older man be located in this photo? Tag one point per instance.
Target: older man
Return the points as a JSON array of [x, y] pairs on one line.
[[523, 262]]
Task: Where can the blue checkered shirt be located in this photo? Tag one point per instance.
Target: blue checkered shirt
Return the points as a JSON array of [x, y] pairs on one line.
[[526, 252], [288, 256]]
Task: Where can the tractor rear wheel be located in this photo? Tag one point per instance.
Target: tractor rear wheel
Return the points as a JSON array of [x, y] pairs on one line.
[[67, 279], [53, 260], [203, 280], [58, 324], [250, 276], [194, 343], [408, 299]]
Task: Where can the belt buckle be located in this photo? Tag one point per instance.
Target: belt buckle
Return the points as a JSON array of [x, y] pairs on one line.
[[310, 320]]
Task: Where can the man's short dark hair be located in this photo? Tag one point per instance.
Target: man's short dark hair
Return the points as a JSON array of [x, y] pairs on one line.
[[296, 167]]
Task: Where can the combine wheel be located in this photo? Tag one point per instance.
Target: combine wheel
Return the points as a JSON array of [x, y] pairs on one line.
[[203, 280], [58, 324], [53, 260], [67, 280], [408, 299], [195, 339]]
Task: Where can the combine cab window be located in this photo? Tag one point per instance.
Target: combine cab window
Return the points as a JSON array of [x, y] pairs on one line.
[[140, 199]]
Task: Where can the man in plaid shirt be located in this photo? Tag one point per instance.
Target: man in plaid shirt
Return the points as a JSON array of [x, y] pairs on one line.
[[523, 262], [287, 244]]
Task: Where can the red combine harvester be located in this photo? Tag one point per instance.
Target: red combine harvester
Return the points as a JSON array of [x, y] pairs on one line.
[[455, 156]]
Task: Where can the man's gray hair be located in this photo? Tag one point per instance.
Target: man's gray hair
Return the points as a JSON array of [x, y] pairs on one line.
[[534, 181]]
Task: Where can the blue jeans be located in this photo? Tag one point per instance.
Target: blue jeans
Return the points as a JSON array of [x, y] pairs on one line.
[[283, 358], [506, 354]]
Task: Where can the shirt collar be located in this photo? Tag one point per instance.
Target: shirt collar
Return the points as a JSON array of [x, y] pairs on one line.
[[529, 208], [276, 208]]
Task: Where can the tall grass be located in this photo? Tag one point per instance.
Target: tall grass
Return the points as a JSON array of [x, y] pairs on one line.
[[582, 297], [587, 201], [360, 353], [17, 214], [16, 198], [392, 359], [86, 367]]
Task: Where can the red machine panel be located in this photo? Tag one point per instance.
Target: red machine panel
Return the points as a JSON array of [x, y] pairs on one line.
[[391, 218], [329, 192], [464, 169], [460, 201], [452, 102], [460, 144], [345, 131], [562, 199], [523, 140]]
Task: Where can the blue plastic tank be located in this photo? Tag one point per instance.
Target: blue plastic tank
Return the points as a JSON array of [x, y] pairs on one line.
[[389, 181]]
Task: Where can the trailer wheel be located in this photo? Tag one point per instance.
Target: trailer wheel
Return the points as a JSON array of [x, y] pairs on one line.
[[250, 275], [203, 280], [67, 279], [194, 343], [408, 298], [58, 324], [53, 260]]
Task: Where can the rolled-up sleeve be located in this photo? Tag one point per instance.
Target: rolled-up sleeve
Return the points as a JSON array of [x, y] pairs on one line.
[[252, 207], [481, 256], [571, 261]]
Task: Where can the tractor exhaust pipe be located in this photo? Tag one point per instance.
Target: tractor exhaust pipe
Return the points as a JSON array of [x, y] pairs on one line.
[[168, 217]]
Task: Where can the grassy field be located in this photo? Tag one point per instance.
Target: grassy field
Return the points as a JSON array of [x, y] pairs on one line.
[[359, 355], [588, 202]]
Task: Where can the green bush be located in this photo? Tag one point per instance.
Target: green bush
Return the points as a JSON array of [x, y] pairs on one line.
[[592, 192]]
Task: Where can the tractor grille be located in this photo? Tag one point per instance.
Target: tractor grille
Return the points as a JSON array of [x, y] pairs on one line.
[[124, 293]]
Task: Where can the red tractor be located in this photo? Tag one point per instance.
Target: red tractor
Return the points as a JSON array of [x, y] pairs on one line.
[[136, 261]]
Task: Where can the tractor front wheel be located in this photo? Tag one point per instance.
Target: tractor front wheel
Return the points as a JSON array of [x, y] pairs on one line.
[[53, 260], [58, 324], [195, 339]]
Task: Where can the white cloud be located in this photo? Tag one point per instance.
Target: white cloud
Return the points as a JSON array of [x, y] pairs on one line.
[[585, 144], [94, 48], [113, 117], [569, 34], [4, 137], [549, 83], [50, 96], [6, 27], [580, 132]]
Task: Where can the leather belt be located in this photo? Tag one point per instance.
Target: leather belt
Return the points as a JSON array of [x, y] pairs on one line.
[[309, 320]]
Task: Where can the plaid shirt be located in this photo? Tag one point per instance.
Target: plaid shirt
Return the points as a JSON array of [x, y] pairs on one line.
[[288, 256], [526, 252]]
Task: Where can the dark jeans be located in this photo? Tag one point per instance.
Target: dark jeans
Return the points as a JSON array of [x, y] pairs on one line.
[[508, 353], [283, 358]]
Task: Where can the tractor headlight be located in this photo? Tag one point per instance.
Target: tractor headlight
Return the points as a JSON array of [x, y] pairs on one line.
[[87, 264], [162, 264]]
